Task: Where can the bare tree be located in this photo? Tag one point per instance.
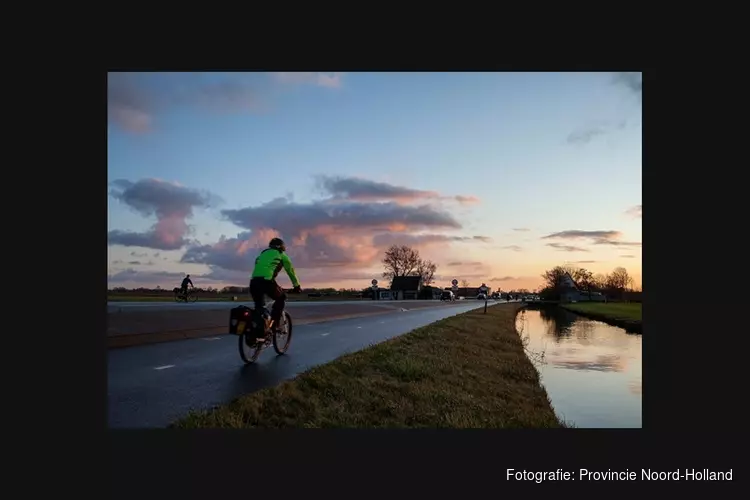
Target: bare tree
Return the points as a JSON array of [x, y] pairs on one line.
[[465, 283], [554, 277], [599, 282], [426, 269], [619, 280], [402, 260], [585, 280]]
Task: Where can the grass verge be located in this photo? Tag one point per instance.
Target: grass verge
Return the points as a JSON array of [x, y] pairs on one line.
[[467, 371], [624, 314]]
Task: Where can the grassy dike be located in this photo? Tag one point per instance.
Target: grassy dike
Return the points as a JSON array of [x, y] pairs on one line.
[[626, 315], [467, 371]]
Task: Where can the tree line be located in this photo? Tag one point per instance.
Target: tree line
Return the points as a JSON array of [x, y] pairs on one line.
[[613, 285]]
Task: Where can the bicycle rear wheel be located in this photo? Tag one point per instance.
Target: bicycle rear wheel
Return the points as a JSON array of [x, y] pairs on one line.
[[177, 297], [249, 354], [192, 297], [281, 340]]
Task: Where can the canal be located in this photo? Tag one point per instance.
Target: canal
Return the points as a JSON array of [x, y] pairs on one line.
[[591, 371]]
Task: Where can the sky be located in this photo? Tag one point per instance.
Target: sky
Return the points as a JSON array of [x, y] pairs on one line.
[[495, 177]]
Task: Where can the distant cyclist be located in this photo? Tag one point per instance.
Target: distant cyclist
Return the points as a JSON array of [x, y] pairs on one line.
[[184, 287], [263, 281]]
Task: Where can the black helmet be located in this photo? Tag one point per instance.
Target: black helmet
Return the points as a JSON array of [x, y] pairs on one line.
[[278, 244]]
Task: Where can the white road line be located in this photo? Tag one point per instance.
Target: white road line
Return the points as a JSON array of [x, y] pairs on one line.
[[359, 327], [213, 338], [163, 367], [324, 334]]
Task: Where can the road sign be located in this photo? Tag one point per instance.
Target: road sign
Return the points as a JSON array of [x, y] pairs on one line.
[[454, 282], [374, 282]]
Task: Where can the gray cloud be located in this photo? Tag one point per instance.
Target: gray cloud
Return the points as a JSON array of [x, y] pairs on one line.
[[171, 205], [587, 134], [129, 106], [631, 80], [462, 264], [292, 218], [504, 278], [566, 248], [627, 256], [595, 237], [356, 189], [330, 80], [636, 211], [521, 229], [584, 262], [133, 99], [578, 234], [515, 248]]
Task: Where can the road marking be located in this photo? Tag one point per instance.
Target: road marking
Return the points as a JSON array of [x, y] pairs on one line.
[[359, 327], [382, 322], [324, 334], [163, 367], [214, 338]]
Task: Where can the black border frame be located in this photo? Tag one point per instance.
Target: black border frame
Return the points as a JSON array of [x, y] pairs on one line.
[[691, 346]]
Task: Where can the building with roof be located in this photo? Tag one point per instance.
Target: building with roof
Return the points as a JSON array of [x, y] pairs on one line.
[[406, 287]]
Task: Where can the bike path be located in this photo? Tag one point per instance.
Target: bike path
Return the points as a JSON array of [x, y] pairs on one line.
[[153, 385]]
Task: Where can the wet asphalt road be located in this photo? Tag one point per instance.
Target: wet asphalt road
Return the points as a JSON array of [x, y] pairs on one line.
[[291, 305], [153, 385]]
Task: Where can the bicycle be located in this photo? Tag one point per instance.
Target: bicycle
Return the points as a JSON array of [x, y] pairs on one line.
[[240, 324], [190, 296]]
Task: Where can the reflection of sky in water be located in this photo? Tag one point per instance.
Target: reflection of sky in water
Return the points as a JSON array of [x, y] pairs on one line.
[[592, 371]]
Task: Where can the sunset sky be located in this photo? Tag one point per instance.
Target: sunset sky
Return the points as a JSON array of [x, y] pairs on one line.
[[496, 177]]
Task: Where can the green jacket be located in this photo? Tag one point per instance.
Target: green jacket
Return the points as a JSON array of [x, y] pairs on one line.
[[269, 263]]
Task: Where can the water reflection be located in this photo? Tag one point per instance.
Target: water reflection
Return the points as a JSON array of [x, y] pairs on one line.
[[592, 371]]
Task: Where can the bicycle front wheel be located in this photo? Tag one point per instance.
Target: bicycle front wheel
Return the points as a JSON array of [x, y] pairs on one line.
[[281, 339], [192, 297]]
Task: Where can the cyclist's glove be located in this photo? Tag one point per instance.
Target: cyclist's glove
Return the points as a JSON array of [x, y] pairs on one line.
[[297, 289]]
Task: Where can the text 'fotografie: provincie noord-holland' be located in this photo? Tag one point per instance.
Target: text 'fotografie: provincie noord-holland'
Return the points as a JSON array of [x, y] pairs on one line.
[[623, 475]]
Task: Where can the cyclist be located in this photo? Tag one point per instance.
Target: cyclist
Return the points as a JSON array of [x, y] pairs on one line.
[[184, 287], [263, 281]]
